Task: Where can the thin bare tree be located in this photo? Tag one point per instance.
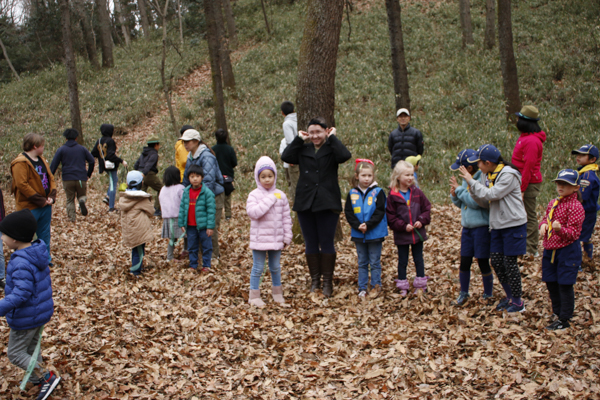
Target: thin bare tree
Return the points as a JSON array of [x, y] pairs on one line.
[[88, 33], [231, 29], [399, 70], [508, 64], [121, 17], [226, 65], [465, 22], [262, 3], [490, 24], [7, 58], [144, 18], [105, 37], [212, 38]]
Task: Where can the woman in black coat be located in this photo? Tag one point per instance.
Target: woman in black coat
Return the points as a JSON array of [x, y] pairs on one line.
[[318, 202]]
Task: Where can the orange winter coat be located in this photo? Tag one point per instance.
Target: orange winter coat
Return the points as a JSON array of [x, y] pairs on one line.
[[136, 212], [181, 156], [27, 185]]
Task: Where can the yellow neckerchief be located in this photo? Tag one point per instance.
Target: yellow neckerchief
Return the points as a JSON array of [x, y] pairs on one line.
[[491, 177], [550, 214], [589, 167]]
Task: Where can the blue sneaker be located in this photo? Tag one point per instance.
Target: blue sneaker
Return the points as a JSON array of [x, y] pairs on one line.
[[504, 303], [48, 384], [462, 298], [513, 308]]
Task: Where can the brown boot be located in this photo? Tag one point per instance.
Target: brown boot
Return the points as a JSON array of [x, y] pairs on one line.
[[314, 268], [327, 267]]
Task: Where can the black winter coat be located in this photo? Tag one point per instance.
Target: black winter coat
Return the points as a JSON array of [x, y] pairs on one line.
[[318, 188], [148, 161], [106, 146], [405, 143]]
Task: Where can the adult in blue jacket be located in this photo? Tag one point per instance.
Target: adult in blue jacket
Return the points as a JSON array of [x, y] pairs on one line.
[[73, 157], [202, 155]]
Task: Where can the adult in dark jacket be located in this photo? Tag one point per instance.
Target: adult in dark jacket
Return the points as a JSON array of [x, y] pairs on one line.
[[227, 160], [405, 140], [147, 164], [104, 150], [318, 199], [73, 157]]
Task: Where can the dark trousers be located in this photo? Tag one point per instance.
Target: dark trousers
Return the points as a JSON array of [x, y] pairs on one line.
[[318, 230], [417, 253], [563, 299], [197, 238], [153, 181]]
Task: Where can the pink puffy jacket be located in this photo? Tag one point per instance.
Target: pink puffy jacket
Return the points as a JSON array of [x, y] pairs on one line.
[[269, 212]]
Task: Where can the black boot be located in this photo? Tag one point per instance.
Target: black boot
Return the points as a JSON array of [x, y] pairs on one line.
[[327, 267], [314, 268]]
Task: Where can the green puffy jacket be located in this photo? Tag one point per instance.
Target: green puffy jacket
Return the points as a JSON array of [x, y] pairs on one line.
[[205, 208]]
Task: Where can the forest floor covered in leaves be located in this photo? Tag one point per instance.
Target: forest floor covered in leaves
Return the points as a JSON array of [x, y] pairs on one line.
[[179, 334]]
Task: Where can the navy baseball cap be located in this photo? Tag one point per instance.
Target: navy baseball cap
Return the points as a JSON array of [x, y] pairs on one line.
[[569, 176], [588, 149], [462, 159], [487, 152]]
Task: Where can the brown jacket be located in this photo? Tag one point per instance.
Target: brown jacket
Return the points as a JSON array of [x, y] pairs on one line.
[[27, 185], [136, 211]]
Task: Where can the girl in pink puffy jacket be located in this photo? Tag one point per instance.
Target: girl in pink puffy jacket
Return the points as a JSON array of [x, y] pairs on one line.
[[270, 229]]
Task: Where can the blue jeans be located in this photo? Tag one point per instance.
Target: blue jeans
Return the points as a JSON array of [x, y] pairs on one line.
[[137, 257], [2, 264], [197, 238], [417, 253], [43, 216], [258, 258], [368, 253], [113, 182]]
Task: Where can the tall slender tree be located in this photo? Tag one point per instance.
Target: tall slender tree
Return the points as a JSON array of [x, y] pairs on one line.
[[7, 58], [508, 64], [71, 68], [490, 24], [465, 22], [88, 33], [215, 64], [122, 22], [226, 66], [105, 37], [144, 18], [399, 70], [231, 29]]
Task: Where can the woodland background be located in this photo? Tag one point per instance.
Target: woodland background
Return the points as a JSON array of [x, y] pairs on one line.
[[178, 334]]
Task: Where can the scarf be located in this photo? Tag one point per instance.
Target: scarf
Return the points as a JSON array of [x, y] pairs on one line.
[[491, 176], [550, 214], [589, 167]]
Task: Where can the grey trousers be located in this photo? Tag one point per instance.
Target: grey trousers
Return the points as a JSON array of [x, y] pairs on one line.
[[74, 189], [21, 345]]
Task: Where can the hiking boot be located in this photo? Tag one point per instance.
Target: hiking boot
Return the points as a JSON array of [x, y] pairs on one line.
[[503, 304], [375, 292], [513, 307], [254, 298], [314, 268], [487, 298], [462, 298], [83, 208], [47, 385], [112, 209], [559, 324]]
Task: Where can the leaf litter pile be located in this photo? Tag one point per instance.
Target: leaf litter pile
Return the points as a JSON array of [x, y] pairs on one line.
[[179, 334]]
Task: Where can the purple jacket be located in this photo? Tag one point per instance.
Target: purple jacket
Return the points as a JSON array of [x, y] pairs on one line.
[[269, 212], [399, 215]]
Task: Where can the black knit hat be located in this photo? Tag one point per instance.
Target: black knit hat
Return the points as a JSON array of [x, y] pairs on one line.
[[20, 225]]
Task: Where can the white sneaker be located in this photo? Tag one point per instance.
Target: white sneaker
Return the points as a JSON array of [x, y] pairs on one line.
[[362, 295]]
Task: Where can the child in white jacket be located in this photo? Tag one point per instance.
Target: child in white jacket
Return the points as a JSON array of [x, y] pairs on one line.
[[270, 229]]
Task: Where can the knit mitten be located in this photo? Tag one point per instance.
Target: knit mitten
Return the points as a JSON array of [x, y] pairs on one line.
[[403, 285]]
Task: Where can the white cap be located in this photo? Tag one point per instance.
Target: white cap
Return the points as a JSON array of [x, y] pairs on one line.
[[191, 134], [402, 111]]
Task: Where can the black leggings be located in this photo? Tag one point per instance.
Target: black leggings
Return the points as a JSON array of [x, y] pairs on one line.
[[484, 264], [318, 230], [507, 270], [563, 299]]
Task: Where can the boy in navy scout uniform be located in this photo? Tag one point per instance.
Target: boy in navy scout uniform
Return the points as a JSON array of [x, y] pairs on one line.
[[365, 212], [589, 184]]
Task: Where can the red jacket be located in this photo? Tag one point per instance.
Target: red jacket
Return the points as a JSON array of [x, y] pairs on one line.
[[527, 157], [570, 214]]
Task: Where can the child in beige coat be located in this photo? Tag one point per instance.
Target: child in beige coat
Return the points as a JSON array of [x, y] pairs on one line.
[[136, 213]]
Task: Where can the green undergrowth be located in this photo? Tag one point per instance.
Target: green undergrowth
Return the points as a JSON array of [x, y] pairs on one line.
[[456, 94]]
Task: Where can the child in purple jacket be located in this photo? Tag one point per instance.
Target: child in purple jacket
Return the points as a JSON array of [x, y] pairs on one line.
[[408, 211]]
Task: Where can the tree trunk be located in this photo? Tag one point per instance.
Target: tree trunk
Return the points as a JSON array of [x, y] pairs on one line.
[[510, 78], [215, 64], [262, 2], [124, 29], [8, 61], [465, 22], [231, 29], [144, 18], [71, 68], [88, 34], [226, 66], [490, 24], [180, 23], [399, 70], [105, 37]]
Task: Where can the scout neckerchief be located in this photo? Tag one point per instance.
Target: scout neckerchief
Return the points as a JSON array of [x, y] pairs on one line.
[[589, 167], [491, 176], [550, 214]]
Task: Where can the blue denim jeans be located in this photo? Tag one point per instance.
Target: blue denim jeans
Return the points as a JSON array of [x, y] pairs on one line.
[[113, 182], [43, 216], [197, 238], [137, 258], [2, 264], [258, 258], [368, 254]]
